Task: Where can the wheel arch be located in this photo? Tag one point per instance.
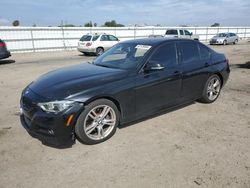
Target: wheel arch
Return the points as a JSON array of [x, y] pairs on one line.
[[115, 101], [100, 47], [221, 78]]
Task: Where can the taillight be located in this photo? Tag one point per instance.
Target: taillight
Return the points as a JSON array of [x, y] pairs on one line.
[[89, 44], [2, 44]]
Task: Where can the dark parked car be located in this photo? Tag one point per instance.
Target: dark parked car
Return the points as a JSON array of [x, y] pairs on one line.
[[132, 80], [4, 53]]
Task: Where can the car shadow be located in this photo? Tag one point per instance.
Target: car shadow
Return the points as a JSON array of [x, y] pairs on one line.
[[242, 66], [162, 112], [5, 62]]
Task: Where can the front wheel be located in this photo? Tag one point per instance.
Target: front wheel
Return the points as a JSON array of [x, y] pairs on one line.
[[97, 122], [235, 42], [224, 42], [211, 90]]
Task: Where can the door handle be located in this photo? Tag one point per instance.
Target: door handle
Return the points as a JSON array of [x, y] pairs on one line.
[[176, 72]]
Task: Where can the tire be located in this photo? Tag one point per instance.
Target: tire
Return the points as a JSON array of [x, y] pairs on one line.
[[211, 90], [224, 42], [99, 51], [91, 128], [236, 41]]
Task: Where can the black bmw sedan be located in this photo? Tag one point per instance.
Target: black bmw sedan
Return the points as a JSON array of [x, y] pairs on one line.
[[132, 80]]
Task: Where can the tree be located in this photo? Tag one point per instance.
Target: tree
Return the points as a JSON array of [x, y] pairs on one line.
[[89, 24], [95, 24], [215, 25], [16, 23], [112, 24]]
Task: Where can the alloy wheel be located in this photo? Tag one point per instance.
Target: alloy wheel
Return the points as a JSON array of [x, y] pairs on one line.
[[99, 122], [213, 88]]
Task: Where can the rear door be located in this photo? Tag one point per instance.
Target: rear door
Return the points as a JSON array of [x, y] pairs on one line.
[[194, 70]]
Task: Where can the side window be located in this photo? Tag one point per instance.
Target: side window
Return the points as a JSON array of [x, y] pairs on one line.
[[187, 32], [172, 32], [204, 52], [112, 38], [189, 52], [95, 37], [104, 38], [181, 32], [165, 55]]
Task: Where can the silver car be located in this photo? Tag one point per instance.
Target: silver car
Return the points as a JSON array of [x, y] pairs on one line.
[[224, 38]]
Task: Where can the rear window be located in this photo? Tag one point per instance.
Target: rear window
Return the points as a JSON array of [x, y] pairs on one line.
[[189, 52], [204, 52], [172, 32], [86, 38]]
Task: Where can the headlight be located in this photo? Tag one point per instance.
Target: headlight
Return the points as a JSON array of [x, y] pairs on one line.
[[55, 106]]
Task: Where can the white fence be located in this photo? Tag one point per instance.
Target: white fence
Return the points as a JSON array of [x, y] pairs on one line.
[[32, 39]]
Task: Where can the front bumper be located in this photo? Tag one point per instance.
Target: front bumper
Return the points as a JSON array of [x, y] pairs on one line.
[[51, 129], [215, 42]]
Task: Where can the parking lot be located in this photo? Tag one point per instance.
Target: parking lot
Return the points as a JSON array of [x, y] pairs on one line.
[[199, 145]]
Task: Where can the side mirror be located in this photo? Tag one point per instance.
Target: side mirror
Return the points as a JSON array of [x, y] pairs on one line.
[[191, 33], [153, 66]]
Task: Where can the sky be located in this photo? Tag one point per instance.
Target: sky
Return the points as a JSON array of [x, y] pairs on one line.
[[128, 12]]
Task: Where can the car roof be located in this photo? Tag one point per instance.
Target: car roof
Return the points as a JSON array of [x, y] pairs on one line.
[[154, 41]]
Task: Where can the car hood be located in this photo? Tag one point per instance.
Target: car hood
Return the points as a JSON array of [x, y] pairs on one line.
[[64, 82]]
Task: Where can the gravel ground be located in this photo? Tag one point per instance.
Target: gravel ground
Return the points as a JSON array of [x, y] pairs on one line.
[[198, 145]]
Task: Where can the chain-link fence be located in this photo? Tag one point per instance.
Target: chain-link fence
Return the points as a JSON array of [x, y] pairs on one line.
[[33, 39]]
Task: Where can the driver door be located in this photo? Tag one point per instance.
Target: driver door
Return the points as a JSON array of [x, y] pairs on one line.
[[159, 87]]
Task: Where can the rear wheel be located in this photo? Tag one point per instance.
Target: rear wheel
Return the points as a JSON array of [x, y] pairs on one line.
[[97, 122], [99, 51], [212, 89]]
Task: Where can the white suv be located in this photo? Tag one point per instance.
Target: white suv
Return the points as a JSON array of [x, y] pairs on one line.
[[181, 33], [96, 43]]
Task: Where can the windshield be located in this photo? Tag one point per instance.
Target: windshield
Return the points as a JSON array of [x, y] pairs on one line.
[[222, 35], [123, 56], [86, 38]]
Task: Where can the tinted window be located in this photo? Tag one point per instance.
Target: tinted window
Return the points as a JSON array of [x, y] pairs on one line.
[[232, 34], [95, 37], [181, 32], [204, 52], [112, 38], [189, 52], [104, 38], [86, 38], [172, 32], [165, 55], [187, 32]]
